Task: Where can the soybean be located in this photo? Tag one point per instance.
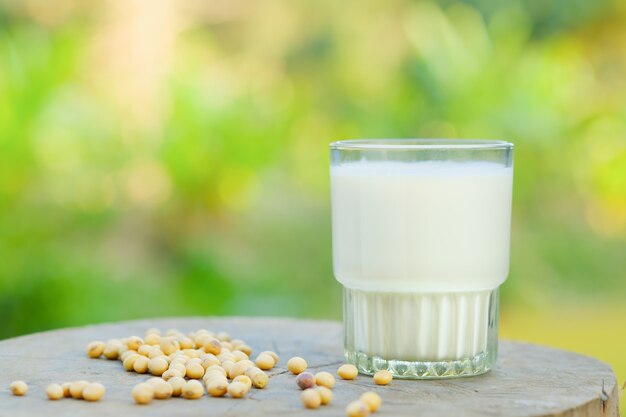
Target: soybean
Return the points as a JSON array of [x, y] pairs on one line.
[[140, 365], [265, 361], [93, 391], [383, 377], [54, 392], [112, 349], [325, 379], [143, 393], [244, 379], [194, 370], [347, 371], [372, 400], [311, 398], [95, 349], [157, 366], [357, 409], [66, 389], [18, 388], [305, 380], [326, 395], [217, 388], [192, 390], [272, 354], [162, 389], [237, 389], [76, 389], [296, 365], [177, 384]]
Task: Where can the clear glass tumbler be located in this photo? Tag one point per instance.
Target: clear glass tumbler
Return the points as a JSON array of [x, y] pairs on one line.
[[421, 231]]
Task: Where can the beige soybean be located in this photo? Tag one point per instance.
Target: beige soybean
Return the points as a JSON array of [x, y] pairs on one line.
[[212, 345], [141, 365], [177, 384], [244, 379], [66, 389], [121, 352], [112, 349], [347, 372], [325, 379], [260, 380], [18, 388], [311, 398], [237, 389], [218, 369], [223, 336], [247, 350], [296, 365], [152, 339], [209, 381], [76, 389], [162, 389], [272, 354], [186, 343], [153, 330], [210, 360], [129, 361], [194, 360], [154, 380], [265, 361], [127, 354], [192, 390], [95, 349], [240, 356], [171, 373], [258, 377], [326, 395], [178, 359], [169, 345], [211, 375], [194, 370], [157, 366], [144, 350], [357, 409], [239, 368], [54, 392], [383, 377], [180, 368], [93, 391], [155, 352], [372, 400], [134, 342], [227, 365], [143, 393], [173, 332], [237, 342], [217, 388]]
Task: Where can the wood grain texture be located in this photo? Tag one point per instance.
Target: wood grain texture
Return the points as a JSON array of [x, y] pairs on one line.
[[528, 380]]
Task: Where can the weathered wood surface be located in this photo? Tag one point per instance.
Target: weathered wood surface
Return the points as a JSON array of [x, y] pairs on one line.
[[528, 380]]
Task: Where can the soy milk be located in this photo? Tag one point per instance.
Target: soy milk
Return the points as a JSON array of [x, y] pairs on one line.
[[420, 248]]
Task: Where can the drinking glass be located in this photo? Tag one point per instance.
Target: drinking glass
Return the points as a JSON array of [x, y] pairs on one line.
[[421, 231]]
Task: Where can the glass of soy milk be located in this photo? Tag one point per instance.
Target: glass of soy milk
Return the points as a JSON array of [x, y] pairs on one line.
[[421, 231]]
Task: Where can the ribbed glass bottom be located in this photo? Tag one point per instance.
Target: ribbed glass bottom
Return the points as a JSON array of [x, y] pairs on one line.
[[421, 335]]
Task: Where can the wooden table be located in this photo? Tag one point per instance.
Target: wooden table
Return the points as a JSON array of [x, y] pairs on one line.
[[528, 380]]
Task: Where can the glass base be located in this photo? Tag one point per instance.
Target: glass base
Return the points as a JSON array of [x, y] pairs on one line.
[[477, 365], [421, 335]]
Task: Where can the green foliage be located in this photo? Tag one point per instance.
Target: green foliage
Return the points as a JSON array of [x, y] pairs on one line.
[[173, 160]]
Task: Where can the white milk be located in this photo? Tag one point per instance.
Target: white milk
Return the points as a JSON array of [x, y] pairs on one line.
[[422, 245]]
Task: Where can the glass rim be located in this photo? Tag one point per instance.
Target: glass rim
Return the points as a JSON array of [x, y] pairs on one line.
[[417, 144]]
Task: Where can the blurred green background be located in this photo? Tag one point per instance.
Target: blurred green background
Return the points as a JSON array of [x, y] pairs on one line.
[[166, 158]]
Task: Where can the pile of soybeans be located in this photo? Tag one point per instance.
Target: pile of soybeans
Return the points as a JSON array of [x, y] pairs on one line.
[[178, 363]]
